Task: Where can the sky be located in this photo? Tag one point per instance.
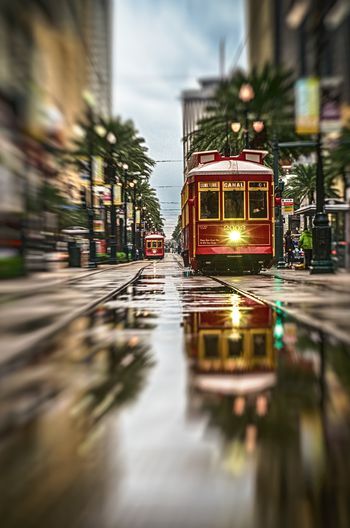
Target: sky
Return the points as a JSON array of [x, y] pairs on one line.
[[161, 47]]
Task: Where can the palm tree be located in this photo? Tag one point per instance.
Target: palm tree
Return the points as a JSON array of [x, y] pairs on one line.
[[151, 204], [302, 185], [273, 104]]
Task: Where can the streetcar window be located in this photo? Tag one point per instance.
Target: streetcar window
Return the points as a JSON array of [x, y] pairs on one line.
[[154, 244], [257, 203], [209, 205], [211, 345], [235, 346], [233, 204], [259, 345], [159, 244], [148, 245]]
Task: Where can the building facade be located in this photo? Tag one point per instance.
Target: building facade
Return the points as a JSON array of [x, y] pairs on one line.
[[194, 108], [50, 54]]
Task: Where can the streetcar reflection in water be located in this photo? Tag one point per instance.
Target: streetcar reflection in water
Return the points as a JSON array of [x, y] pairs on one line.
[[227, 212], [232, 354]]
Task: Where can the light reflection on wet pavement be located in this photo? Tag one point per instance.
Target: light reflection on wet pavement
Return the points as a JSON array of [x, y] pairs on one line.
[[178, 404], [330, 307]]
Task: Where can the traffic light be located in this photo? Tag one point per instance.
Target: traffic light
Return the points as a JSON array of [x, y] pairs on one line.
[[278, 193], [83, 197], [278, 196]]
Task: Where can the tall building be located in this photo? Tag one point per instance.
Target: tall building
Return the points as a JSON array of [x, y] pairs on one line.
[[98, 46], [283, 32], [50, 54], [194, 108]]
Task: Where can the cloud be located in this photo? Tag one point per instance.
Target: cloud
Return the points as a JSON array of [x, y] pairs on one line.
[[160, 48]]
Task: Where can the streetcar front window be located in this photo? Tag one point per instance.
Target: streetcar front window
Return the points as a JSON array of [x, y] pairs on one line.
[[209, 205], [159, 244], [258, 207], [148, 245], [154, 244], [233, 204], [211, 345], [235, 346], [259, 345]]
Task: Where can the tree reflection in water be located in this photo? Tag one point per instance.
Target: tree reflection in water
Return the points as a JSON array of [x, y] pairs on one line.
[[122, 361]]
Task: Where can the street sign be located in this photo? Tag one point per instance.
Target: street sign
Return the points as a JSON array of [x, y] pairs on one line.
[[287, 205], [307, 106]]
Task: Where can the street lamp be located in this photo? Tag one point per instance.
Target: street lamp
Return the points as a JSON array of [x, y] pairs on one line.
[[89, 100], [246, 94], [125, 168], [110, 179], [321, 232]]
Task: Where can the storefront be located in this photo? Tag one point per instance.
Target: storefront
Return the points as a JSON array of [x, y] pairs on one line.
[[339, 219]]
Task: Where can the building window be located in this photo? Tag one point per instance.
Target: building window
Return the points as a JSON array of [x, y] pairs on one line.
[[233, 193], [258, 205], [209, 201]]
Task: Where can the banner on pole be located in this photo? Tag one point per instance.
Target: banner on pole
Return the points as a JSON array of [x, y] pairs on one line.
[[97, 170], [117, 196], [331, 105], [307, 106], [129, 209]]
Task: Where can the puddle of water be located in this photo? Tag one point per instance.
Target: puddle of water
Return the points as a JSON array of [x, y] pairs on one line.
[[179, 403]]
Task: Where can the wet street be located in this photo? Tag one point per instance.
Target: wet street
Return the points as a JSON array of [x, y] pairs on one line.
[[179, 403]]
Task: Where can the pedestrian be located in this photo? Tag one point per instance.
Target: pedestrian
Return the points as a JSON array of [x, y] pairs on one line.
[[289, 248], [305, 242]]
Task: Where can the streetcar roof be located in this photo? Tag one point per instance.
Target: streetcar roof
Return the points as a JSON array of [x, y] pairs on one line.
[[154, 236], [229, 166]]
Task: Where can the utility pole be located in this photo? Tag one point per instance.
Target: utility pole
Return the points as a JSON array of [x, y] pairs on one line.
[[90, 211], [321, 232], [278, 208]]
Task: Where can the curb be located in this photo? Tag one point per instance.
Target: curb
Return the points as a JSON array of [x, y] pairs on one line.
[[12, 295], [301, 280]]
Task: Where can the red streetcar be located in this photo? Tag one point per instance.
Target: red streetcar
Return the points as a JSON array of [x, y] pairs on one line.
[[227, 212], [154, 246]]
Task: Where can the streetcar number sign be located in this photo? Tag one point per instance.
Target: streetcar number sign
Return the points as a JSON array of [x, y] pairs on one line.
[[257, 185]]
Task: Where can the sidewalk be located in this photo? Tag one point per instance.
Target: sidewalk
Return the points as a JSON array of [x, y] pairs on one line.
[[339, 281]]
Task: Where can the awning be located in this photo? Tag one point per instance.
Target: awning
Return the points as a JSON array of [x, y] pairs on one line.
[[329, 208]]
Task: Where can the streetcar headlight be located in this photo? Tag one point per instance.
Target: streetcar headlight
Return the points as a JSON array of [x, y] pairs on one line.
[[235, 235]]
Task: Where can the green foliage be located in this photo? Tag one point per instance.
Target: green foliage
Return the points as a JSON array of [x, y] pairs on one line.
[[340, 156], [302, 185], [177, 231], [67, 213], [128, 157], [273, 103]]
